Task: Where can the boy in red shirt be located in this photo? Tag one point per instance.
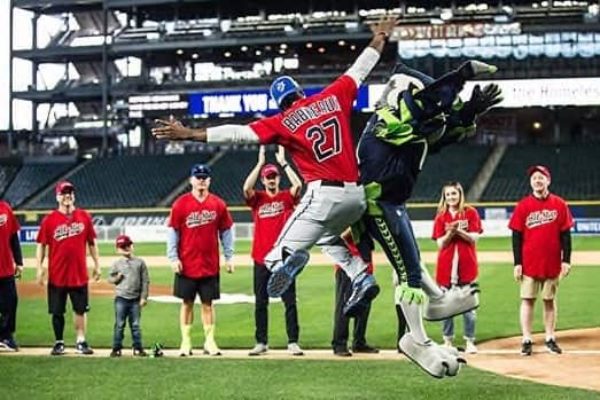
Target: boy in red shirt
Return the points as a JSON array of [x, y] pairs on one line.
[[541, 225], [456, 228], [65, 233], [271, 208], [11, 266], [198, 220]]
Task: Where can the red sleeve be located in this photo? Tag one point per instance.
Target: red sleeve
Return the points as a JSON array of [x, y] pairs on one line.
[[225, 221], [268, 129], [567, 222], [174, 220], [42, 236], [517, 220], [91, 231], [474, 220], [344, 88], [252, 201], [438, 227], [13, 222]]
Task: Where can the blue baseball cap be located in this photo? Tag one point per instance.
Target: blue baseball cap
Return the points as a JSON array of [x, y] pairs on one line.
[[200, 171], [283, 87]]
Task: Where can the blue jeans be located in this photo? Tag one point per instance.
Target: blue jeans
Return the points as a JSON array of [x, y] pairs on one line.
[[127, 309], [469, 325]]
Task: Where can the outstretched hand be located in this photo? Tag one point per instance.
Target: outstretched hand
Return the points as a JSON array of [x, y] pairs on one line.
[[483, 100], [171, 129]]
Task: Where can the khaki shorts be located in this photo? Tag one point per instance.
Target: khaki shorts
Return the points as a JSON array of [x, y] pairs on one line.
[[531, 287]]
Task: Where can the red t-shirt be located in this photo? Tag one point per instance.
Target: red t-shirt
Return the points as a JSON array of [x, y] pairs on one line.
[[199, 224], [541, 222], [66, 237], [8, 227], [269, 214], [469, 221], [316, 132]]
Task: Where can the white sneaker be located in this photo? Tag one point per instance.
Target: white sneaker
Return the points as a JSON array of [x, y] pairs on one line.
[[258, 349], [470, 347], [211, 349], [295, 350], [448, 343]]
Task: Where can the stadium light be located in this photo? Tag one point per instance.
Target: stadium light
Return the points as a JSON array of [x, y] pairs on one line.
[[195, 56], [321, 50], [179, 51], [341, 43], [446, 14], [309, 45], [244, 48]]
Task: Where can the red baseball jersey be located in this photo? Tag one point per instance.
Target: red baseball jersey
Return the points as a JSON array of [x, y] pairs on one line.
[[269, 214], [66, 237], [198, 224], [8, 227], [541, 221], [469, 221], [316, 132]]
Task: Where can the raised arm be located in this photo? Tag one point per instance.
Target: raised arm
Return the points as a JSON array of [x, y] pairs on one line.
[[253, 175], [289, 171], [369, 57]]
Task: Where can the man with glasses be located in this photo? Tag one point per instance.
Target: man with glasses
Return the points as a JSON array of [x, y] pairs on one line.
[[66, 233]]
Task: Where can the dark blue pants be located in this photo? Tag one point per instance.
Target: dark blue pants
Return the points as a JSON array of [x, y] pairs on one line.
[[8, 307], [343, 289], [394, 233], [127, 309]]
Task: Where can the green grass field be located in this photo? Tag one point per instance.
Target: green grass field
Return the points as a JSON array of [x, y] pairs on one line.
[[45, 377]]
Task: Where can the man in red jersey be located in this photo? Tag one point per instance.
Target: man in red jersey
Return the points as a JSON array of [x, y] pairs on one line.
[[316, 132], [541, 225], [270, 210], [11, 266], [198, 220], [65, 233]]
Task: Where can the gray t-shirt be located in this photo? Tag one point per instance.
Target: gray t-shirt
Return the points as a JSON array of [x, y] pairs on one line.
[[135, 280]]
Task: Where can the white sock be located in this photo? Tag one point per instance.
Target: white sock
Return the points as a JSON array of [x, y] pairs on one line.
[[80, 338], [414, 320], [526, 339], [549, 338]]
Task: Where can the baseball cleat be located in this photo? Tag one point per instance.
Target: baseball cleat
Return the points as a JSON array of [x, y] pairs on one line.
[[283, 275], [437, 361], [58, 349], [84, 348], [455, 301], [364, 290]]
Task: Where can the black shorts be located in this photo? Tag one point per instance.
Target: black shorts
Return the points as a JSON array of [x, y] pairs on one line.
[[57, 299], [186, 288]]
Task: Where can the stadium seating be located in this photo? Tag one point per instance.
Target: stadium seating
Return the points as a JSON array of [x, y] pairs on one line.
[[456, 163], [7, 173], [32, 178], [575, 172], [129, 181]]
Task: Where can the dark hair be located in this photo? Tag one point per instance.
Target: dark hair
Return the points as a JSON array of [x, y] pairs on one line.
[[289, 100]]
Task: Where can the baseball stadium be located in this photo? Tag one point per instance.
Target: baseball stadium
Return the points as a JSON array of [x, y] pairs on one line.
[[225, 199]]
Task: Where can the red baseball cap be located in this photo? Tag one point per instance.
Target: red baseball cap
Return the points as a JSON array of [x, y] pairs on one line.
[[64, 186], [541, 169], [123, 241], [269, 169]]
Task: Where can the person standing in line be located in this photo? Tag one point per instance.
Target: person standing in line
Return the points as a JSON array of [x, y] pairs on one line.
[[11, 267], [541, 224], [65, 233], [129, 274], [342, 291], [271, 208], [456, 229], [198, 220]]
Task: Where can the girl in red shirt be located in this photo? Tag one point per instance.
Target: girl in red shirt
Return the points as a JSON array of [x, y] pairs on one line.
[[456, 228]]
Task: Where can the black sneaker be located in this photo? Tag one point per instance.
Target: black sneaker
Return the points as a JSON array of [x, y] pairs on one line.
[[9, 344], [342, 351], [58, 349], [526, 348], [139, 353], [553, 347], [84, 348], [365, 348], [115, 353]]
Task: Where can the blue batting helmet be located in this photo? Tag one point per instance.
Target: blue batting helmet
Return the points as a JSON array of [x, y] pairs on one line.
[[283, 87]]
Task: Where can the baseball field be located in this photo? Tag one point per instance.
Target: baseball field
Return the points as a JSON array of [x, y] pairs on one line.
[[318, 374]]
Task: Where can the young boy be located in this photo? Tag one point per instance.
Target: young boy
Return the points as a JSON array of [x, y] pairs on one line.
[[130, 276]]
